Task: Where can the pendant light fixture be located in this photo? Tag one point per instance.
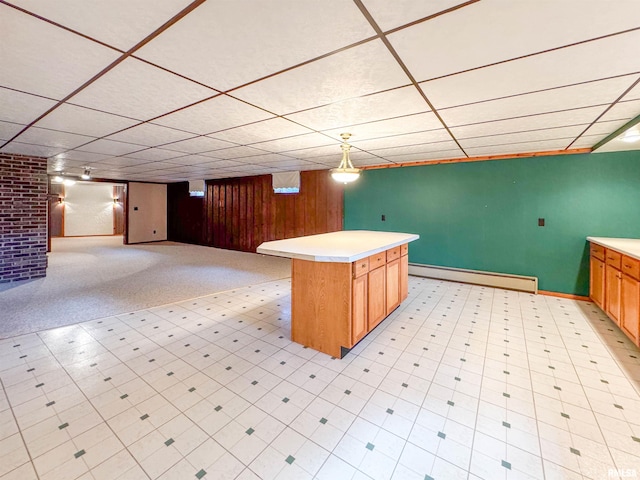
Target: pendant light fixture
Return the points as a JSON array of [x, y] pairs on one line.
[[345, 172]]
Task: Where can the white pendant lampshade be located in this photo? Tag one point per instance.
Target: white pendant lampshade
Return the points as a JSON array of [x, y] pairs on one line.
[[345, 172]]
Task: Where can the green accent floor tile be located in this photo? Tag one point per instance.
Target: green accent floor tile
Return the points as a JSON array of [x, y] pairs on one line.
[[201, 474], [144, 417], [506, 464], [506, 424], [370, 446], [192, 389], [323, 420], [390, 411], [442, 435], [290, 459], [169, 442], [63, 426], [450, 403], [79, 454], [285, 400], [347, 392], [564, 415], [575, 451], [218, 408], [249, 431], [255, 382]]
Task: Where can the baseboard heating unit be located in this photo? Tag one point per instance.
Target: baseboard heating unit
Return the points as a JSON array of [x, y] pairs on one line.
[[490, 279]]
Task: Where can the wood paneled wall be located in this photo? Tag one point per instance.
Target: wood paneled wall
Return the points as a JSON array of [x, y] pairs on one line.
[[241, 213]]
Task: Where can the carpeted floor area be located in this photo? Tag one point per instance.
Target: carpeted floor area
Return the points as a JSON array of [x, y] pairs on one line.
[[95, 277]]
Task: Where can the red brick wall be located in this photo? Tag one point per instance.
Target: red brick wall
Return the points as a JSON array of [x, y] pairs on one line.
[[23, 217]]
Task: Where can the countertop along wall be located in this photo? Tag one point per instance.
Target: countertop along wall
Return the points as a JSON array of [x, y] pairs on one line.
[[484, 215]]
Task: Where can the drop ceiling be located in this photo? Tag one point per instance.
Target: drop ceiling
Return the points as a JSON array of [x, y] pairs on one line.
[[173, 90]]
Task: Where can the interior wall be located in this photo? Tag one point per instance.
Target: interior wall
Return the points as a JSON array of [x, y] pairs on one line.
[[147, 212], [241, 213], [484, 215], [88, 209], [23, 222]]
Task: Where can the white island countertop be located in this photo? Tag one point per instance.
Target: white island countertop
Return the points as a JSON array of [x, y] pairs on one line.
[[628, 246], [345, 246]]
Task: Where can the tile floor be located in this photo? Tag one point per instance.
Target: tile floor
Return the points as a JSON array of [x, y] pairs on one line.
[[461, 382]]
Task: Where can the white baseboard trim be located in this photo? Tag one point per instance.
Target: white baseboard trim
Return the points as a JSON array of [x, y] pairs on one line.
[[490, 279]]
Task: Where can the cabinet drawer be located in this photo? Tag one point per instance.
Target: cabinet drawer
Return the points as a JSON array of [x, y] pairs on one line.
[[631, 267], [404, 249], [393, 253], [360, 267], [613, 258], [597, 251], [377, 260]]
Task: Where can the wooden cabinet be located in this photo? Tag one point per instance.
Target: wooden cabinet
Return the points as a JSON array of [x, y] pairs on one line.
[[404, 273], [393, 285], [596, 281], [615, 287], [630, 298], [360, 308], [377, 296], [612, 281]]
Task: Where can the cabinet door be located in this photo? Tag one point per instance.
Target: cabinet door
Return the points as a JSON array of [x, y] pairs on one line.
[[377, 294], [630, 307], [404, 277], [359, 306], [393, 285], [612, 295], [596, 282]]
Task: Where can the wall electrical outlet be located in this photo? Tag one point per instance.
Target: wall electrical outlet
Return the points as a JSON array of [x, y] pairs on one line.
[[541, 222], [384, 217]]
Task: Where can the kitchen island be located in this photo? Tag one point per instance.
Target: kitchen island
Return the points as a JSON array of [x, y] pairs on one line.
[[343, 284]]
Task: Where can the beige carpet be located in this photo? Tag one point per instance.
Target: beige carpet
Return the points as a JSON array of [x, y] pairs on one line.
[[94, 277]]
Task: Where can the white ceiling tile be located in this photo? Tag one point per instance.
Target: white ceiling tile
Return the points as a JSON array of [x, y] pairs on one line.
[[297, 142], [427, 156], [568, 133], [8, 130], [214, 115], [332, 160], [75, 155], [150, 135], [120, 23], [154, 167], [363, 162], [358, 71], [291, 164], [605, 128], [42, 59], [152, 154], [202, 161], [394, 103], [53, 138], [268, 158], [390, 153], [26, 149], [138, 90], [392, 126], [21, 107], [583, 95], [590, 61], [198, 145], [390, 15], [121, 162], [514, 148], [244, 41], [332, 151], [494, 30], [262, 131], [579, 116], [622, 111], [110, 147], [403, 140], [235, 152], [84, 121]]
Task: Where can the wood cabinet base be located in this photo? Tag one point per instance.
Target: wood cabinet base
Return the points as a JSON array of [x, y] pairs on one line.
[[335, 305]]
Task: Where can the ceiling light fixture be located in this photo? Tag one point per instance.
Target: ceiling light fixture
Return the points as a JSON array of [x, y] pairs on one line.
[[68, 182], [86, 175], [345, 172], [631, 135]]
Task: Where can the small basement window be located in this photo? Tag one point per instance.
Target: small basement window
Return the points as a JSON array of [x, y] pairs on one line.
[[286, 182]]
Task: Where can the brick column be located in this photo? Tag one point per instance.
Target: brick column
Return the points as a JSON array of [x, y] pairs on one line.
[[23, 217]]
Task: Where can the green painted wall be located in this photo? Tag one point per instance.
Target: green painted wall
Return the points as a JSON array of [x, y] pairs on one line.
[[484, 215]]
